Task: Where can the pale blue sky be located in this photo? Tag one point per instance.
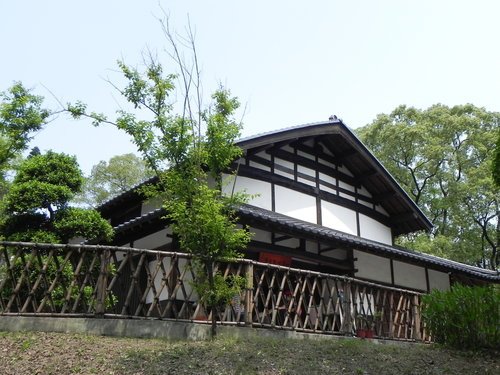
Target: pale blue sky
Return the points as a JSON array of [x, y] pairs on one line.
[[290, 62]]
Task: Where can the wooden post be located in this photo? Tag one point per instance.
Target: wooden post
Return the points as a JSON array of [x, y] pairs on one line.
[[347, 323], [391, 314], [249, 294], [102, 284], [416, 318]]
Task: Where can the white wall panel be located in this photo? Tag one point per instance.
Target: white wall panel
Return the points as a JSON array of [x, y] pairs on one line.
[[327, 178], [338, 217], [307, 171], [345, 170], [364, 192], [372, 267], [373, 230], [187, 281], [259, 166], [438, 280], [154, 240], [298, 205], [305, 155], [343, 185], [260, 235], [381, 209], [261, 190], [409, 275]]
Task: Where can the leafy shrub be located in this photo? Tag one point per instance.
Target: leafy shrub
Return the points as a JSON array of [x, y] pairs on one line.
[[464, 317], [65, 281]]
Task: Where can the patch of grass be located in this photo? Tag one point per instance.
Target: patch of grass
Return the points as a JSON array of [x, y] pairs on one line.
[[80, 354]]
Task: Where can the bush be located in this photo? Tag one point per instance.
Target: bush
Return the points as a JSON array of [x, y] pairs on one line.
[[68, 285], [464, 317]]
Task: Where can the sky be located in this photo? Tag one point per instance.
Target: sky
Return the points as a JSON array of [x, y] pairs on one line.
[[289, 62]]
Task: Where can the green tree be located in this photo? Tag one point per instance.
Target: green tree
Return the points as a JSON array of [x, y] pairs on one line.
[[110, 178], [187, 152], [442, 157], [37, 205], [496, 162], [21, 115]]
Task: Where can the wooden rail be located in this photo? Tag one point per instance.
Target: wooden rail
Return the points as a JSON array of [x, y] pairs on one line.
[[82, 280]]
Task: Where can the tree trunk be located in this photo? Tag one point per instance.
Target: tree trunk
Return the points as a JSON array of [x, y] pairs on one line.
[[212, 308]]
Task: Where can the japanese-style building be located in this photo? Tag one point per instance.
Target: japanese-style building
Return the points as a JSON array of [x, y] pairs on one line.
[[324, 214], [321, 202]]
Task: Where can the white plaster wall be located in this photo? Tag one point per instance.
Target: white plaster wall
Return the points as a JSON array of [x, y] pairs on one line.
[[409, 275], [372, 267], [292, 243], [259, 166], [286, 164], [345, 170], [338, 217], [151, 205], [327, 163], [347, 196], [327, 178], [264, 155], [381, 209], [340, 254], [154, 240], [298, 205], [374, 230], [364, 192], [312, 247], [307, 171], [307, 182], [305, 155], [260, 235], [438, 280], [158, 280], [346, 186], [187, 279], [259, 189]]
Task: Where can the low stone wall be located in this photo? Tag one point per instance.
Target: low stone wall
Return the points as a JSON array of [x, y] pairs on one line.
[[162, 329]]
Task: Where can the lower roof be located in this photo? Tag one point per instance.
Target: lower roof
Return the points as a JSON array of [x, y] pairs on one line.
[[303, 229]]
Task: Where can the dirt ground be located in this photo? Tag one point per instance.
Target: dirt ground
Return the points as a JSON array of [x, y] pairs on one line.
[[56, 353]]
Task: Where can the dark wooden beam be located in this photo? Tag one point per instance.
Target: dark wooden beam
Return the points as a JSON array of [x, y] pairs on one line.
[[366, 175], [382, 197], [301, 160], [316, 151], [406, 216]]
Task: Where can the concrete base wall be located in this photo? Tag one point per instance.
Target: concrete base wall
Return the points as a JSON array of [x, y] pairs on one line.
[[171, 330], [108, 327]]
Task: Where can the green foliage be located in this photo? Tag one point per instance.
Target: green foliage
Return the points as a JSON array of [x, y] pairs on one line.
[[114, 177], [442, 156], [37, 205], [21, 115], [78, 222], [188, 153], [66, 290], [464, 317], [496, 163], [222, 292]]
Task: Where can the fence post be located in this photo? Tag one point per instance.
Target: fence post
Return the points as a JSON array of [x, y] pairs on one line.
[[249, 294], [102, 284], [416, 318], [347, 323]]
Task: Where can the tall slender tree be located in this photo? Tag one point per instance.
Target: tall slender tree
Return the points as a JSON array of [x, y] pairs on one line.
[[188, 152]]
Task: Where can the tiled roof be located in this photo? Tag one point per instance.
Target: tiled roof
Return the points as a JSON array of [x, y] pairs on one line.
[[318, 232]]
